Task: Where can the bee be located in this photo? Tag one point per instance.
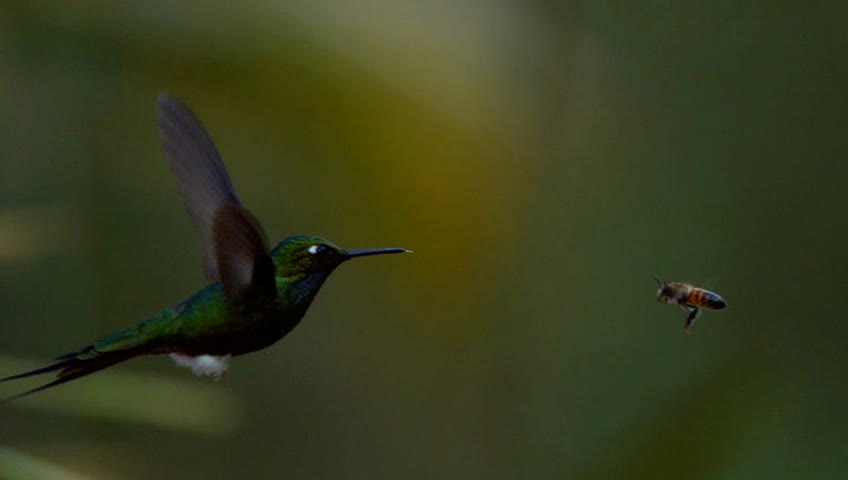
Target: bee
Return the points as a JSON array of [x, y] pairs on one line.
[[690, 298]]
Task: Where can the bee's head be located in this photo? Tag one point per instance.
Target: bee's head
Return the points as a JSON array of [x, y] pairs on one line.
[[664, 293]]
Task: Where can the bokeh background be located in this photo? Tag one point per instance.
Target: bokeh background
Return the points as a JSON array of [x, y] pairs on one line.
[[543, 160]]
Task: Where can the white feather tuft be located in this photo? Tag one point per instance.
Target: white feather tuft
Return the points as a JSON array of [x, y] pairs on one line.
[[211, 365]]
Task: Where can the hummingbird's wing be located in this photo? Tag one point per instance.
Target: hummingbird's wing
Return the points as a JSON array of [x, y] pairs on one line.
[[202, 179], [241, 252]]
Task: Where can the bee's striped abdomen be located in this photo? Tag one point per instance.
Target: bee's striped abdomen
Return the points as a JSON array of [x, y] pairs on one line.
[[705, 298]]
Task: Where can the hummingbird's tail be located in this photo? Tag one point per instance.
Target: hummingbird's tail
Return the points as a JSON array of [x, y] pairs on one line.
[[71, 366]]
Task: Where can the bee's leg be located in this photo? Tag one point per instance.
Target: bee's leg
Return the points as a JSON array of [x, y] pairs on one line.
[[690, 319]]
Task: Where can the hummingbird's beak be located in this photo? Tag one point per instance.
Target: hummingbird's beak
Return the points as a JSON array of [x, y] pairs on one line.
[[374, 251]]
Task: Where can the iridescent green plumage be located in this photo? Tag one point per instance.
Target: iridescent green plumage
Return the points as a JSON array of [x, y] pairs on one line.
[[256, 297]]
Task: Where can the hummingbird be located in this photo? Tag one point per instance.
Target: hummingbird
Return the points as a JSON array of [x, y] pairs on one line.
[[256, 296]]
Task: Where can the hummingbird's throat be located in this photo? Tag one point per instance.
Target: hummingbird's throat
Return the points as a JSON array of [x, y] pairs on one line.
[[303, 288]]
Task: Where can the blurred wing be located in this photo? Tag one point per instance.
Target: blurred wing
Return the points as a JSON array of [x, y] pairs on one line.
[[202, 179], [241, 252]]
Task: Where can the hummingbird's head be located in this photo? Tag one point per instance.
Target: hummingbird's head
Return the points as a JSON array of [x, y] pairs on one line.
[[310, 254]]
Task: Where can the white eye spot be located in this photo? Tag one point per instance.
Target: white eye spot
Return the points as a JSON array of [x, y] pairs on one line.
[[313, 249]]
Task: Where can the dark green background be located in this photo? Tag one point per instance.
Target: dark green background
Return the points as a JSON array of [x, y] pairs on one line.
[[542, 162]]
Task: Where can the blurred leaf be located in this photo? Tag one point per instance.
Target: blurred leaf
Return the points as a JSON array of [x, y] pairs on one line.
[[18, 466]]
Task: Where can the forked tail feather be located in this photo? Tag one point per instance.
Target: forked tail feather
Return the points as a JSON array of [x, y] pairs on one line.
[[71, 367]]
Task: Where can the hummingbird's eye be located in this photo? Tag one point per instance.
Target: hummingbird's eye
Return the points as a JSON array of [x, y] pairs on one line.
[[317, 249]]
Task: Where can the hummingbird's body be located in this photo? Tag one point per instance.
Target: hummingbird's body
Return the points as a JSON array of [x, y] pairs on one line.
[[256, 297]]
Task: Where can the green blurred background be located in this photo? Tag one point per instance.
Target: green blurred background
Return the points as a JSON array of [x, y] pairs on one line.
[[542, 160]]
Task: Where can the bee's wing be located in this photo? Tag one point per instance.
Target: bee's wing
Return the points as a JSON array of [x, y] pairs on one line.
[[206, 190]]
